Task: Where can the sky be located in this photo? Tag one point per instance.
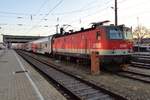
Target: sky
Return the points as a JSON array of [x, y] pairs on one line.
[[40, 17]]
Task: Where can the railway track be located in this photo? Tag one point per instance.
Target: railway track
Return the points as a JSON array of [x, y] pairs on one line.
[[140, 65], [135, 76], [141, 61], [142, 53], [78, 88], [138, 68], [145, 58]]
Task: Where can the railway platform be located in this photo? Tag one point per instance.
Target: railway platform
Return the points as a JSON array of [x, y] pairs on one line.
[[19, 81]]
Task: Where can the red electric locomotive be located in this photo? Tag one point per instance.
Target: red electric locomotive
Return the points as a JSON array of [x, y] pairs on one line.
[[112, 43]]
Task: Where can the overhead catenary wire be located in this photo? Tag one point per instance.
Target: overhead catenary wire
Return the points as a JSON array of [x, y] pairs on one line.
[[30, 15], [43, 4], [91, 14], [85, 13], [135, 13], [21, 15], [46, 15], [107, 3], [83, 9], [54, 8], [18, 13], [14, 13]]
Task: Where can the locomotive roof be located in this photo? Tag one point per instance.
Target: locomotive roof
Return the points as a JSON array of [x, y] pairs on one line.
[[88, 29], [76, 32]]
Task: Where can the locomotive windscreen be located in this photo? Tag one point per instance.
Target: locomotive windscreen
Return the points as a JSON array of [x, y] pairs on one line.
[[119, 33], [115, 33]]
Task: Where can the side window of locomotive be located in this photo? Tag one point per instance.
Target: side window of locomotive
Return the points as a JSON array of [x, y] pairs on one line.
[[98, 35]]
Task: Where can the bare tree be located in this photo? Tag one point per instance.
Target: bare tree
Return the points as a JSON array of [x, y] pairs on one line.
[[141, 32]]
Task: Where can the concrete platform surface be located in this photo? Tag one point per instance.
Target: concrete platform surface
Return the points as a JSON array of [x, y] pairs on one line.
[[18, 85]]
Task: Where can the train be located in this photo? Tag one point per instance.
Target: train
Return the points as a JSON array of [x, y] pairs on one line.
[[113, 44]]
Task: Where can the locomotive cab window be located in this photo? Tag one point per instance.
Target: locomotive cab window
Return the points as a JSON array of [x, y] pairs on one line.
[[115, 34], [98, 35]]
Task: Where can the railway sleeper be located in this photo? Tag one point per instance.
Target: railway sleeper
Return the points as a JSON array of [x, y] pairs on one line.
[[81, 89], [137, 77], [59, 75], [139, 63], [76, 85], [63, 77], [70, 82], [140, 66], [81, 93], [86, 90], [95, 96], [65, 80], [98, 96], [56, 73], [81, 86]]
